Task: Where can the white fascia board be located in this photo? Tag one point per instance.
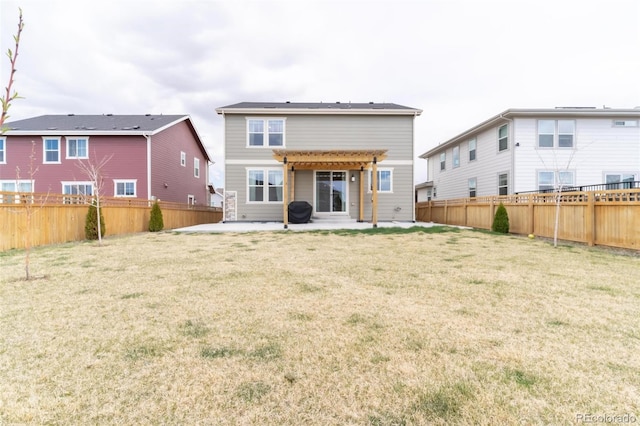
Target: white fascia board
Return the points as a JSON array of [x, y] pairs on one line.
[[318, 111]]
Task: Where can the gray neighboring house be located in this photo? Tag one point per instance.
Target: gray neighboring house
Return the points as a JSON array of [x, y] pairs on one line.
[[330, 155]]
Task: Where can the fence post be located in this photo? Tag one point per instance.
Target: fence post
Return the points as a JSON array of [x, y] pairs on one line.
[[465, 212], [491, 212], [590, 218], [531, 216], [446, 208]]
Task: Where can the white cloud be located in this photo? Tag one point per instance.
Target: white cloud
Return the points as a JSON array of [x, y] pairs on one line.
[[461, 61]]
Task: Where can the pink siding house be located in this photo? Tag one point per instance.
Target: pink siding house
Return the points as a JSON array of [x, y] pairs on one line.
[[153, 156]]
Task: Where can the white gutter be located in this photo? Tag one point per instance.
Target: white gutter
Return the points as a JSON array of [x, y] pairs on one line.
[[224, 155]]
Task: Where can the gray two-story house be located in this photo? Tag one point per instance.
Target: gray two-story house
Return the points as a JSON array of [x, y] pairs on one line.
[[331, 155]]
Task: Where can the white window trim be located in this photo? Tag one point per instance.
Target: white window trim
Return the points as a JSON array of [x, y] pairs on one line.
[[498, 181], [506, 137], [74, 182], [475, 149], [16, 182], [475, 186], [556, 135], [44, 150], [4, 150], [67, 139], [442, 162], [556, 178], [265, 121], [196, 168], [265, 188], [380, 169], [453, 157], [183, 159], [135, 187]]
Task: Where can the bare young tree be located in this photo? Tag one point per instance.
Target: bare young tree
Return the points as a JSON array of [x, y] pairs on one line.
[[93, 170], [13, 57], [29, 210]]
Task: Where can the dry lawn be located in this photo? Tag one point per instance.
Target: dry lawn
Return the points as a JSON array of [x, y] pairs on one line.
[[449, 327]]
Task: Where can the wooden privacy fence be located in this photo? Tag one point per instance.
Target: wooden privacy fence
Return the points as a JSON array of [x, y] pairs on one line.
[[57, 218], [608, 218]]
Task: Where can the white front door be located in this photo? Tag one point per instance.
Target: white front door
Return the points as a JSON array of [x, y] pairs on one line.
[[331, 192]]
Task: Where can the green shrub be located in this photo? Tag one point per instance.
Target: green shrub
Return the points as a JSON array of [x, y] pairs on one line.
[[91, 223], [156, 223], [501, 220]]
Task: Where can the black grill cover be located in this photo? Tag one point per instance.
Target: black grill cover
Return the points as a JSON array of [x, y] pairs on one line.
[[300, 212]]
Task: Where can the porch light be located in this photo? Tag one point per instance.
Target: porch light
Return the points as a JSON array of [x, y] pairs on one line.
[[353, 177]]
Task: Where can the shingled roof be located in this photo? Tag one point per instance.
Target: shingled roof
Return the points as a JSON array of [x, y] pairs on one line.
[[94, 124], [318, 107]]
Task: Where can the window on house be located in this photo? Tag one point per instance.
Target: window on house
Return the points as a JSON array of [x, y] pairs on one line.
[[619, 180], [549, 180], [3, 151], [261, 190], [625, 123], [196, 167], [76, 188], [503, 138], [443, 161], [503, 184], [472, 187], [556, 133], [14, 186], [183, 159], [124, 188], [265, 132], [456, 156], [385, 180], [51, 150], [472, 149], [77, 148]]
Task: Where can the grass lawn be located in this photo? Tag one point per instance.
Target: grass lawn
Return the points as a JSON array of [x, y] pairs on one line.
[[434, 326]]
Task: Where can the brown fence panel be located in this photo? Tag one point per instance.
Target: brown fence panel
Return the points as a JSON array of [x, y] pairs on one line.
[[57, 218], [610, 218]]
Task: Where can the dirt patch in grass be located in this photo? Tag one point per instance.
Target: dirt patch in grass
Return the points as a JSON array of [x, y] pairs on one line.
[[381, 328]]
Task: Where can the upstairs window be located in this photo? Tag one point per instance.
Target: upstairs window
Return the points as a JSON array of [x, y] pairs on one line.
[[77, 148], [265, 132], [196, 167], [51, 150], [456, 156], [3, 151], [472, 149], [625, 123], [443, 161], [183, 159], [556, 133], [503, 138]]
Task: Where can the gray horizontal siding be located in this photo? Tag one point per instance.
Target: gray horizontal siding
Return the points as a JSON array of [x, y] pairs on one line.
[[394, 133]]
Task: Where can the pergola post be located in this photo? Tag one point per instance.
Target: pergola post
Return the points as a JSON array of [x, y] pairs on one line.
[[374, 190], [285, 193], [293, 184]]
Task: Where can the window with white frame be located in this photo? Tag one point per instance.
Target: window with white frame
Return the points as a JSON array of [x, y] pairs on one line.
[[264, 185], [385, 180], [473, 184], [443, 160], [556, 133], [196, 167], [265, 132], [472, 149], [51, 150], [124, 187], [503, 138], [3, 151], [625, 123], [183, 158], [81, 189], [503, 184], [456, 156], [77, 147], [14, 186], [550, 180], [619, 180]]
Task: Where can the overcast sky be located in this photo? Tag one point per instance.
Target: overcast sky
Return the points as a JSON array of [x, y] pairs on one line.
[[460, 61]]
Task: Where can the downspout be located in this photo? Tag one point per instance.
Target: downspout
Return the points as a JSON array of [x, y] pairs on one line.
[[224, 155], [413, 168], [148, 138]]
